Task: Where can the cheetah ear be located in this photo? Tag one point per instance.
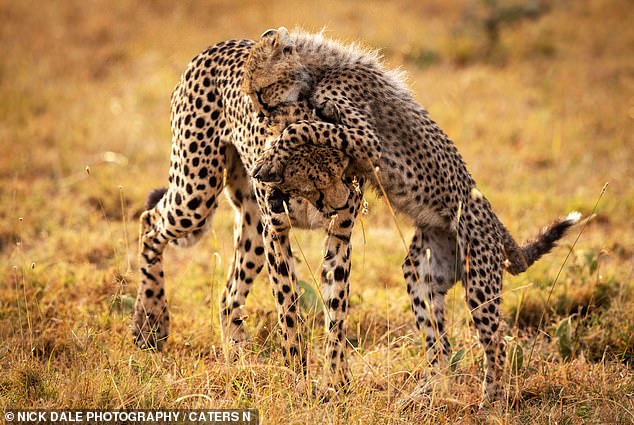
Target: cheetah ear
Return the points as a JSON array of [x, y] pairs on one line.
[[284, 41], [283, 33], [269, 33]]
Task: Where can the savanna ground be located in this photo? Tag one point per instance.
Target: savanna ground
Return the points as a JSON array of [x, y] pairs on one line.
[[541, 108]]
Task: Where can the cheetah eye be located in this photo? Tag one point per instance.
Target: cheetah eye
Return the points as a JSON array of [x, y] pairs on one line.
[[287, 50]]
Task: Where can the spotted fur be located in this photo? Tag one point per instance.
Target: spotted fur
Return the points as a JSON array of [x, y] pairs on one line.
[[217, 135], [393, 143]]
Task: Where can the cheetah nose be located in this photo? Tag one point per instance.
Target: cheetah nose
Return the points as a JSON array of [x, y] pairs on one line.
[[264, 173]]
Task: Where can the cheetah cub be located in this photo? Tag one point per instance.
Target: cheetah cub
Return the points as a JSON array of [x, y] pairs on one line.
[[392, 142]]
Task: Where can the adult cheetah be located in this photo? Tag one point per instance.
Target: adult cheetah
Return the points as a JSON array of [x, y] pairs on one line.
[[393, 143], [216, 137]]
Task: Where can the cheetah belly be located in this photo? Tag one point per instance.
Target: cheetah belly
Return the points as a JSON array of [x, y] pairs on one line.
[[401, 196]]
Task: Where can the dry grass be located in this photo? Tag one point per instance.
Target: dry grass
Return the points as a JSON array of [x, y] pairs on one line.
[[543, 119]]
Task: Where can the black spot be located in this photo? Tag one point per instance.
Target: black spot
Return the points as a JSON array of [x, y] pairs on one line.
[[283, 269], [346, 223], [149, 293], [290, 322], [339, 273], [473, 304], [147, 275], [193, 204], [480, 295], [170, 218], [186, 223], [210, 201], [200, 123]]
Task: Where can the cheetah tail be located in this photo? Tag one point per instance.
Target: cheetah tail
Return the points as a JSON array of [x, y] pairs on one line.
[[542, 244], [154, 197]]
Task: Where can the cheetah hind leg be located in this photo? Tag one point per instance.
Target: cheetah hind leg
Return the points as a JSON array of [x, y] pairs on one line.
[[482, 280], [158, 227], [150, 324]]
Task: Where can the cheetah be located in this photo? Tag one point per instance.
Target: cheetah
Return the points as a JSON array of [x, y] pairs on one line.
[[217, 135], [392, 143]]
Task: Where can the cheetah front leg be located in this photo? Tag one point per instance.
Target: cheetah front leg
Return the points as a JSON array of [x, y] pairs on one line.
[[281, 268], [336, 286]]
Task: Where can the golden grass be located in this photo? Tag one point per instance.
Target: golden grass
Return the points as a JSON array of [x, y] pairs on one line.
[[543, 123]]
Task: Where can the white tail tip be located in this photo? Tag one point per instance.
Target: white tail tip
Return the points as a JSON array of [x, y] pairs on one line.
[[574, 217]]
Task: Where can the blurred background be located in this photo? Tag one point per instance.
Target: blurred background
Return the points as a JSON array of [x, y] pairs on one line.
[[537, 95]]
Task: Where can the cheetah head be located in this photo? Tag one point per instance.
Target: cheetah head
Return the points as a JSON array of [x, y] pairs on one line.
[[273, 73], [315, 173]]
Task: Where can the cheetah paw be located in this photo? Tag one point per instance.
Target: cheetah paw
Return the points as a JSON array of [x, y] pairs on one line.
[[150, 332]]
